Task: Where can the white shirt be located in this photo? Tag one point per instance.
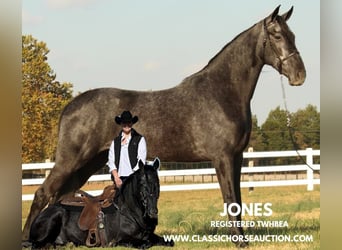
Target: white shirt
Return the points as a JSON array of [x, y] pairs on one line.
[[125, 168]]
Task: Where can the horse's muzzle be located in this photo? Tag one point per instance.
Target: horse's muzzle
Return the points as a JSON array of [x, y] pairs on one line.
[[153, 213], [298, 79]]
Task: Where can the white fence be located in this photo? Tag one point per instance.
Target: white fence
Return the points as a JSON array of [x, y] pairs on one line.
[[308, 154]]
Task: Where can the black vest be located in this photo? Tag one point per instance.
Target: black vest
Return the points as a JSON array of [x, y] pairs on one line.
[[132, 148]]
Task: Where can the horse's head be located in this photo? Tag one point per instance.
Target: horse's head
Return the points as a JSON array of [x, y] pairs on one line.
[[279, 47], [149, 188]]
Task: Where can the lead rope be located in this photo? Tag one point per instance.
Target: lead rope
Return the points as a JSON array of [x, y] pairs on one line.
[[288, 124]]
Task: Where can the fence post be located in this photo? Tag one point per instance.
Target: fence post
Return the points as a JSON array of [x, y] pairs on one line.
[[309, 171], [250, 165], [47, 172]]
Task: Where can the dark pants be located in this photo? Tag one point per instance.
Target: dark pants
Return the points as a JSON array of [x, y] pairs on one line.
[[123, 178]]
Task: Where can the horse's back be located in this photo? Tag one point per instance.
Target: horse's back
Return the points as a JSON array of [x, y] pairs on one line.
[[179, 112]]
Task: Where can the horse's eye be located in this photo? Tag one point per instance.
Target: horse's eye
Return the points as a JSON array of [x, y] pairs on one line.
[[277, 37]]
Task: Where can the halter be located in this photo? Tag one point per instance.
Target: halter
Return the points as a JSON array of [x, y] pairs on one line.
[[280, 59], [144, 193]]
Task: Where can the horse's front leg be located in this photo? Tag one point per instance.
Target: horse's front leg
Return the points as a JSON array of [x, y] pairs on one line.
[[160, 241], [228, 170]]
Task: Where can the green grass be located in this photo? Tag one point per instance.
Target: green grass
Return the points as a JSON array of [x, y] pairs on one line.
[[190, 213]]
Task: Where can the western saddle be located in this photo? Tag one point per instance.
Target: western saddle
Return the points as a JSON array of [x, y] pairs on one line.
[[91, 217]]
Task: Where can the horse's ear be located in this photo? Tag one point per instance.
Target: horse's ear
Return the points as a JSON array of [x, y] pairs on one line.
[[141, 165], [156, 163], [288, 14], [274, 14]]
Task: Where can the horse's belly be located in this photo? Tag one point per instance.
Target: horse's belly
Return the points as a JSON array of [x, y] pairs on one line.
[[178, 152]]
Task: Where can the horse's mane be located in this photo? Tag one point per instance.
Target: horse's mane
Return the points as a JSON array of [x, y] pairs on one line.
[[221, 51], [229, 44], [121, 190], [141, 181]]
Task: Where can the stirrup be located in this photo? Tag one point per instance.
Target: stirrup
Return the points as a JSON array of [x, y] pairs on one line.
[[92, 238]]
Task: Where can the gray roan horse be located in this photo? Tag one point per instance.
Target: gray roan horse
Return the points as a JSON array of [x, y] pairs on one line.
[[206, 117]]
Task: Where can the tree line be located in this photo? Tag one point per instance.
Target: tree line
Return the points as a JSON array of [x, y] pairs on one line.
[[286, 131], [43, 99]]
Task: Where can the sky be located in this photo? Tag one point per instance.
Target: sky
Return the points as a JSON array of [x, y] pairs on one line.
[[153, 45]]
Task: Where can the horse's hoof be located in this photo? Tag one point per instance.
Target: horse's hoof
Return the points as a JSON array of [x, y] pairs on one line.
[[171, 243], [242, 244], [26, 244]]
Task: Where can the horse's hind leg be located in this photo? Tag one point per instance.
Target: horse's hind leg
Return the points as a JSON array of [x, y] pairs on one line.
[[62, 181], [41, 199], [46, 227], [49, 191]]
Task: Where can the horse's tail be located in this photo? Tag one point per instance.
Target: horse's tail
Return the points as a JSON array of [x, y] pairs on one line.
[[47, 226]]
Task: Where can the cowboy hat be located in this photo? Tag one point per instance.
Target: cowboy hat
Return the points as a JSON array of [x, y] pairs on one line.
[[126, 117]]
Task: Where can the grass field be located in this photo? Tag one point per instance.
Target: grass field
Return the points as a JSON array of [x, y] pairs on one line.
[[191, 212]]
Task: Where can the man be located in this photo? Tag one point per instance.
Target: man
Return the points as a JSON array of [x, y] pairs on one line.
[[126, 149]]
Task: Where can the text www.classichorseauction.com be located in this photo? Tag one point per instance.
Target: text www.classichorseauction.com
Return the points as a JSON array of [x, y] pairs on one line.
[[234, 238], [252, 209]]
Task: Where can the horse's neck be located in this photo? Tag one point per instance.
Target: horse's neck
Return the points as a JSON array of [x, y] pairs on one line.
[[131, 202], [237, 67], [129, 195]]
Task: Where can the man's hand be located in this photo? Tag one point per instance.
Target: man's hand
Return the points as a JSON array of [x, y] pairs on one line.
[[117, 180]]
